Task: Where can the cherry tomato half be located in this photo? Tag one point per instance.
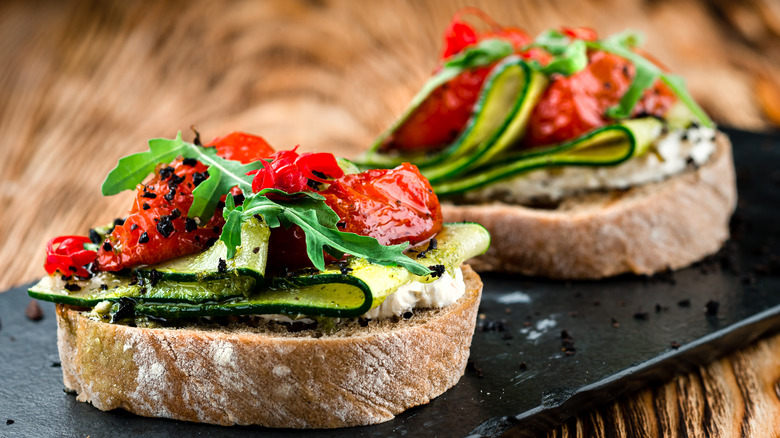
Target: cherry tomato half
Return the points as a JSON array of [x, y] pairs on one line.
[[574, 105]]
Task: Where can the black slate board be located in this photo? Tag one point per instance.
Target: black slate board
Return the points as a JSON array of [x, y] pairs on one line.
[[496, 394]]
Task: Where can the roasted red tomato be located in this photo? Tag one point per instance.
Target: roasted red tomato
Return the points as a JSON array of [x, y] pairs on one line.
[[242, 147], [439, 120], [158, 228], [69, 257], [574, 105], [441, 117], [391, 205]]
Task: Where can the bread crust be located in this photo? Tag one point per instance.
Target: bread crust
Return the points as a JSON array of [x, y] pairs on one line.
[[244, 375], [643, 230]]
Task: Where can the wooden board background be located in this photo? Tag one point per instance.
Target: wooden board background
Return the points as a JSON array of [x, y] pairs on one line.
[[83, 83]]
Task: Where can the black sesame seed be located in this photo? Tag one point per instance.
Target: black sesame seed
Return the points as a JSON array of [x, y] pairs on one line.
[[438, 270], [190, 225], [684, 303], [166, 172], [149, 195], [176, 213], [222, 266], [126, 310], [144, 238], [174, 181], [107, 246], [165, 226], [56, 364], [675, 345], [9, 422], [256, 250], [170, 195], [199, 177], [118, 222], [145, 206], [363, 322], [190, 161], [408, 315], [73, 287], [711, 308], [641, 315], [103, 286], [133, 227], [94, 236], [154, 277]]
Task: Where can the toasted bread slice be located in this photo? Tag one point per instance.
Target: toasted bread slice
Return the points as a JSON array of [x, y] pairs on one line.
[[266, 375], [642, 230]]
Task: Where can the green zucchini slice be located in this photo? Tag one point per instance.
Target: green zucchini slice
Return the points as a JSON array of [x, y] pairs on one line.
[[250, 259], [347, 290], [605, 146]]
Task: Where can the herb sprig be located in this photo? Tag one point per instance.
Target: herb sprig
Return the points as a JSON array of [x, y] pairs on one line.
[[307, 210]]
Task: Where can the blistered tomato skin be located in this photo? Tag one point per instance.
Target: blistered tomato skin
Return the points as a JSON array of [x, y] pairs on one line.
[[391, 205], [574, 105], [242, 147], [438, 121], [157, 228]]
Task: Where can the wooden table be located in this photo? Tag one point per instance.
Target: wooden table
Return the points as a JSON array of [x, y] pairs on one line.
[[84, 84]]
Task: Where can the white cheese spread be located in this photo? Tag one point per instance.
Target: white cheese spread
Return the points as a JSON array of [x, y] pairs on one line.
[[416, 295], [673, 153]]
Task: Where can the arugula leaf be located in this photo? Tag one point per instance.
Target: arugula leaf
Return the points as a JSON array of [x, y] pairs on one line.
[[487, 51], [646, 74], [223, 174], [132, 169], [572, 60], [318, 221]]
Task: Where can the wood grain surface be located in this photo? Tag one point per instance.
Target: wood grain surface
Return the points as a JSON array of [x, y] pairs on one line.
[[84, 83]]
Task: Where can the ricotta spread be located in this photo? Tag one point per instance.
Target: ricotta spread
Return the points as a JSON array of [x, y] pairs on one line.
[[439, 293], [674, 151]]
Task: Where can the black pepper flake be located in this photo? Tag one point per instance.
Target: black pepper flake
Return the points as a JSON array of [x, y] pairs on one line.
[[255, 250], [711, 308], [684, 303], [9, 422], [94, 236], [103, 286], [72, 287], [149, 195], [190, 161], [72, 268], [166, 172], [126, 309], [118, 222], [176, 213], [145, 206], [133, 227], [165, 226], [33, 312], [107, 246], [170, 195], [190, 225], [199, 177], [431, 246], [154, 277], [56, 364], [438, 270], [222, 266], [144, 238]]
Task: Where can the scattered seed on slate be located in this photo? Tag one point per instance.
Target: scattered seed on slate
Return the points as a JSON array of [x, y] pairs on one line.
[[684, 303], [523, 366], [711, 308], [641, 315], [675, 345], [33, 312]]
